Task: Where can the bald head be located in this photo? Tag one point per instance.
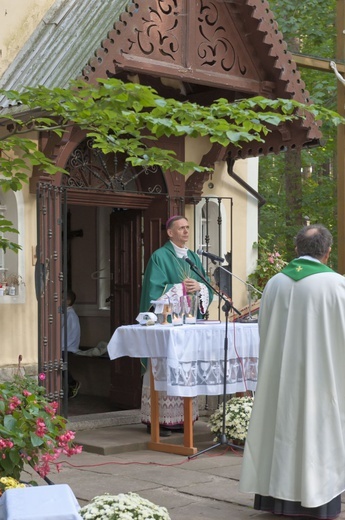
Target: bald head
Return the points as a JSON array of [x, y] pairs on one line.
[[315, 241]]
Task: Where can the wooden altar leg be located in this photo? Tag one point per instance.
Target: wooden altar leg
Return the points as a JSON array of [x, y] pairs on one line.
[[188, 421], [155, 444], [154, 411]]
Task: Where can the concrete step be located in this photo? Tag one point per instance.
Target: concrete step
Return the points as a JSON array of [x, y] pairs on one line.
[[102, 420], [133, 436]]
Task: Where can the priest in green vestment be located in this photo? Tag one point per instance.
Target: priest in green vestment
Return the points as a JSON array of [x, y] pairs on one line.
[[294, 457], [168, 275]]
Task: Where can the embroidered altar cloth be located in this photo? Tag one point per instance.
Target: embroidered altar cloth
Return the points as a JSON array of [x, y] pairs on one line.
[[188, 360]]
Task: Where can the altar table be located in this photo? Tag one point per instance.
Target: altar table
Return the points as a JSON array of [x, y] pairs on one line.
[[187, 361]]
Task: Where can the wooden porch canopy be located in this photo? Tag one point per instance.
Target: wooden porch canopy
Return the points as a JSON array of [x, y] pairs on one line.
[[201, 50], [195, 50]]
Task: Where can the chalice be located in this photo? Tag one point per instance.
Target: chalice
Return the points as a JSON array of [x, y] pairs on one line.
[[166, 312]]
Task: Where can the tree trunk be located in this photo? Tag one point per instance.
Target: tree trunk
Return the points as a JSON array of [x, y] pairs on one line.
[[293, 190]]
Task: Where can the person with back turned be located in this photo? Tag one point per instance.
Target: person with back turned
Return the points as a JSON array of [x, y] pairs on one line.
[[167, 276], [73, 341], [294, 456]]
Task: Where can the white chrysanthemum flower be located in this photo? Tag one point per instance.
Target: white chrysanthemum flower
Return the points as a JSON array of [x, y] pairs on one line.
[[128, 506], [237, 415]]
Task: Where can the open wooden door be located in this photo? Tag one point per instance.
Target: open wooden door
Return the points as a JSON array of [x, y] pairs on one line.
[[125, 243], [129, 245], [50, 281]]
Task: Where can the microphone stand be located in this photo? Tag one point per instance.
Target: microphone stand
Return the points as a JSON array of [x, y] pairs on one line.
[[199, 273], [222, 438], [250, 288]]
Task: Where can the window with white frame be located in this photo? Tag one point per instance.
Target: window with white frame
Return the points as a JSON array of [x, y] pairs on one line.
[[12, 284], [209, 234], [213, 233]]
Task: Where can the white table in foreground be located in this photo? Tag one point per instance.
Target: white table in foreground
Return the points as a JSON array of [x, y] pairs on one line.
[[56, 502], [187, 361]]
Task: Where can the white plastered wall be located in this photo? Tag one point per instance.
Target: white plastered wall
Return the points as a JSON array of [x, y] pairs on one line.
[[18, 20], [18, 315]]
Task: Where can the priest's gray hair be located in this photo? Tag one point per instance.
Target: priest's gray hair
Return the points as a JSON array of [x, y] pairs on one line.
[[314, 240], [173, 219]]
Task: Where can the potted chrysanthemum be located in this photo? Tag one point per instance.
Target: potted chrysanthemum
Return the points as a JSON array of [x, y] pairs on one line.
[[129, 506], [237, 416], [9, 483]]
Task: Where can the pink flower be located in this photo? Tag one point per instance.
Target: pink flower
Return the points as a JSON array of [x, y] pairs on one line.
[[14, 403], [41, 427], [5, 443], [41, 436]]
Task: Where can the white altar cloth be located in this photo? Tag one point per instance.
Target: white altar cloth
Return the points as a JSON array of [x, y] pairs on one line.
[[188, 360]]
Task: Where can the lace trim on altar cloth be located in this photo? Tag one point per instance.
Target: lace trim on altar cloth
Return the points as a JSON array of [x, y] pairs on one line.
[[171, 409], [201, 373], [204, 377]]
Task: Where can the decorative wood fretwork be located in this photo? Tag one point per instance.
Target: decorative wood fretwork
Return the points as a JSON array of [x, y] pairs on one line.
[[206, 49], [90, 168], [200, 40]]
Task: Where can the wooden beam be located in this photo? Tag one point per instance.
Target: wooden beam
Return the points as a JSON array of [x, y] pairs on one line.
[[311, 62]]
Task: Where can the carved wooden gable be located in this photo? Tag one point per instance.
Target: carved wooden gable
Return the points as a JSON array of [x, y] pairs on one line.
[[197, 41], [201, 50]]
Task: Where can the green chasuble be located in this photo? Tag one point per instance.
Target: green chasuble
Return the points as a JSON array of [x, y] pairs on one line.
[[164, 270], [302, 267]]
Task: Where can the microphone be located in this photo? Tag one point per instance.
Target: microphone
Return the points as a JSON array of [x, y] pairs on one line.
[[188, 260], [211, 256]]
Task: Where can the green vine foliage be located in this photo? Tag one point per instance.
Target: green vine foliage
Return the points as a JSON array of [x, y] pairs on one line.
[[129, 118]]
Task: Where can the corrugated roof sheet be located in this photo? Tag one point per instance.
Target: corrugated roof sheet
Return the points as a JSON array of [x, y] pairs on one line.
[[62, 44]]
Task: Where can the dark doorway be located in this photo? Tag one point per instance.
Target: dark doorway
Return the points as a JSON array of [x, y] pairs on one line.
[[105, 271]]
